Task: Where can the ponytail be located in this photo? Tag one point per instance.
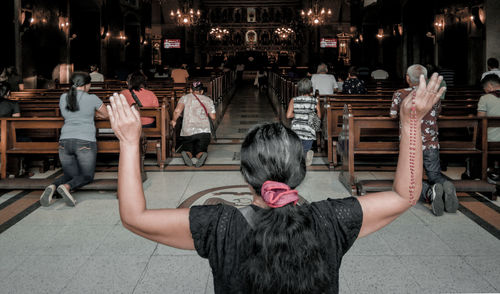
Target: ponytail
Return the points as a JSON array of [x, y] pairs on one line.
[[78, 79], [282, 253], [71, 101]]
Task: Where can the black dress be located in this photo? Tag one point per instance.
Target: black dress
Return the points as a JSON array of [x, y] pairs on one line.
[[354, 86], [218, 230]]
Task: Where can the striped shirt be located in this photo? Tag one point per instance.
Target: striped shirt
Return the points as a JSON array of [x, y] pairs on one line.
[[302, 108]]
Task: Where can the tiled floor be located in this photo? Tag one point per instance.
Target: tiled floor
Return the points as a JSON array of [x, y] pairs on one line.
[[85, 249]]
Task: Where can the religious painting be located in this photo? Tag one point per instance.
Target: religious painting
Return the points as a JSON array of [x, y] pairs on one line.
[[251, 37], [251, 15]]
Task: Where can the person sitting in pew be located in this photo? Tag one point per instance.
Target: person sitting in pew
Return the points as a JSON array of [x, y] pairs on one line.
[[95, 75], [352, 84], [272, 245], [179, 75], [325, 83], [195, 133], [77, 143], [299, 109], [379, 73], [136, 94], [438, 191], [8, 108], [492, 68], [489, 105]]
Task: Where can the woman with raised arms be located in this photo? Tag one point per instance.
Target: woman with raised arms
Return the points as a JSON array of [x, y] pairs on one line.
[[274, 246]]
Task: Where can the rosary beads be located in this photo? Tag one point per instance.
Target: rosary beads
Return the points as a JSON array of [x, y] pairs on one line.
[[413, 143]]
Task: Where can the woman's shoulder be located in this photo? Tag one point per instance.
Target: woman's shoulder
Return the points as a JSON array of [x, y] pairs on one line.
[[206, 98], [89, 96], [345, 207], [304, 98], [146, 91], [203, 216]]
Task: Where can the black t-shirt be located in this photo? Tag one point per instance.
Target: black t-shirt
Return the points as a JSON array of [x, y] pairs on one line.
[[218, 230], [8, 108], [354, 86]]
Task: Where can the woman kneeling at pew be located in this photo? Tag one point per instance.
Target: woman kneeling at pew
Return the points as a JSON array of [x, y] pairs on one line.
[[195, 134], [77, 143], [273, 245]]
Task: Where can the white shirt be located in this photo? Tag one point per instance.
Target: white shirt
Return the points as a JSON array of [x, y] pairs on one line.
[[195, 120], [493, 71], [324, 83], [380, 74], [96, 77]]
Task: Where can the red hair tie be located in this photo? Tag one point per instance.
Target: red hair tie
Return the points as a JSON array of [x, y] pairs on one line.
[[277, 194]]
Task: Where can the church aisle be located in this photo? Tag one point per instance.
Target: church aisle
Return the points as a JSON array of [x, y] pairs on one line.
[[248, 107]]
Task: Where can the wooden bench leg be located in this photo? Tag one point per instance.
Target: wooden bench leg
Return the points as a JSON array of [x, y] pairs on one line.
[[494, 195], [334, 153], [159, 159]]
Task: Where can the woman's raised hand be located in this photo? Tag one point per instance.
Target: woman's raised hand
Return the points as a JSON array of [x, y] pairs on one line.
[[125, 120], [426, 95]]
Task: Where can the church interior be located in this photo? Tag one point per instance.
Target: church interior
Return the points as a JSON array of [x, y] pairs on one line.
[[248, 62]]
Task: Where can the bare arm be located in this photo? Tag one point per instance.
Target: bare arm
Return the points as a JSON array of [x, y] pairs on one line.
[[167, 226], [102, 112], [212, 116], [379, 209], [318, 109], [481, 113], [289, 112], [177, 113]]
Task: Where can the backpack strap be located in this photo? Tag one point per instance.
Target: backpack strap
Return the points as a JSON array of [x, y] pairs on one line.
[[136, 99], [202, 105], [249, 214]]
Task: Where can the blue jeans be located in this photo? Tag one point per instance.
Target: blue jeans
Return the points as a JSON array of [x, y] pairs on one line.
[[307, 144], [432, 167], [78, 162]]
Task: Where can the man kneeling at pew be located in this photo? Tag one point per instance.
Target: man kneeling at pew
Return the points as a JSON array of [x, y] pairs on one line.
[[438, 190]]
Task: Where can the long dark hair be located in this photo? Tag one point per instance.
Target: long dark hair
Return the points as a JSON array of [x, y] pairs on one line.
[[282, 252], [78, 79]]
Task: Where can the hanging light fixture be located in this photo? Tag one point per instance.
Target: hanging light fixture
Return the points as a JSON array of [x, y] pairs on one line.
[[186, 16], [315, 15], [284, 32], [218, 33]]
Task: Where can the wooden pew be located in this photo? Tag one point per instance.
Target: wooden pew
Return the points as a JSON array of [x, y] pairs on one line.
[[3, 148], [380, 136], [44, 135], [489, 148], [334, 119]]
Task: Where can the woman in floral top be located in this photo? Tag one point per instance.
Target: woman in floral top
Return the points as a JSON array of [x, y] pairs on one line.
[[353, 85]]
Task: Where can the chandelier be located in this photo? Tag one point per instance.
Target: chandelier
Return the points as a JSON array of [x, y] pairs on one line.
[[218, 33], [186, 17], [315, 15], [284, 32]]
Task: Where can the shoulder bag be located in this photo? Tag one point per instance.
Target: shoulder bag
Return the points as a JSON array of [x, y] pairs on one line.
[[136, 99], [144, 141], [313, 121], [212, 126]]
